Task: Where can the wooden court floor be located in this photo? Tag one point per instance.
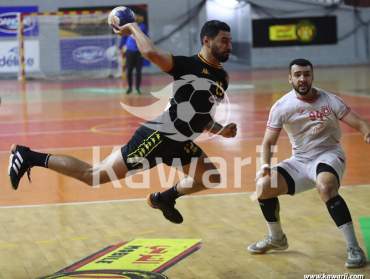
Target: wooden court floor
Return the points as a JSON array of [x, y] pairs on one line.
[[55, 221]]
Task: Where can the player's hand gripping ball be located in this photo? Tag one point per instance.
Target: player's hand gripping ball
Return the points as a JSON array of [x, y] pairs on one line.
[[120, 16]]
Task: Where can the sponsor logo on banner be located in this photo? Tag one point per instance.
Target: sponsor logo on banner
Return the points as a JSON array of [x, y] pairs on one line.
[[9, 59], [276, 32], [9, 21], [306, 31], [88, 54]]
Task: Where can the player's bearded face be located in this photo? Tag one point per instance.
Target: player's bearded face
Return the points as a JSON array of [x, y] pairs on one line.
[[221, 46], [301, 78]]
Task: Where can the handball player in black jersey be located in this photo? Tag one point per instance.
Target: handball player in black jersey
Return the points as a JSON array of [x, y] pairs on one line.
[[149, 143]]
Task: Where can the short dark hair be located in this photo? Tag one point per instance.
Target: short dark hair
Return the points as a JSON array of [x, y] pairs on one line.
[[300, 62], [212, 27]]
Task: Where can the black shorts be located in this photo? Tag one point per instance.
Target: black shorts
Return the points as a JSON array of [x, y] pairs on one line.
[[157, 148]]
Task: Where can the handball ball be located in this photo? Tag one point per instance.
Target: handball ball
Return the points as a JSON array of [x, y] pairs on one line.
[[119, 16]]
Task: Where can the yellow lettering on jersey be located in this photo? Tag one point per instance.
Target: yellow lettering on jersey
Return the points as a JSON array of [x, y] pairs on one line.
[[205, 71], [219, 89]]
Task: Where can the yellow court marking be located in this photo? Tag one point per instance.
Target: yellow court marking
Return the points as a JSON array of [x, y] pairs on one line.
[[141, 256], [144, 254]]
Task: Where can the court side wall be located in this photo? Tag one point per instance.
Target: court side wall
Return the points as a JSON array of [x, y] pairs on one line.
[[352, 46], [167, 15]]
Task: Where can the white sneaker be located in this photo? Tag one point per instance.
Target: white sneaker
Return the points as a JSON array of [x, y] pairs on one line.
[[264, 245], [355, 257]]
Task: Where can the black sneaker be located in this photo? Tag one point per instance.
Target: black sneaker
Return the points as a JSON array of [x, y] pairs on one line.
[[168, 209], [18, 164]]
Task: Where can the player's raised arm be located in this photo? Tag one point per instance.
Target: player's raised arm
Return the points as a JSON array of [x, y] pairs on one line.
[[146, 47], [358, 123]]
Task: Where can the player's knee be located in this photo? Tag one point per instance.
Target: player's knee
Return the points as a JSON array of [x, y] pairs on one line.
[[98, 175], [327, 190], [264, 189], [92, 177], [87, 177]]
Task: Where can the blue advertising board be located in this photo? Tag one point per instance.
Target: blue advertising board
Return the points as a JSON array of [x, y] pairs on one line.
[[9, 21], [88, 54]]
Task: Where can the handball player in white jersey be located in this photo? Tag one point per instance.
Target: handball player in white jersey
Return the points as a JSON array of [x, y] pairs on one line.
[[310, 116]]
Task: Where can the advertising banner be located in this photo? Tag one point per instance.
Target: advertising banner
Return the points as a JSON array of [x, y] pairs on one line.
[[9, 60], [82, 27], [9, 21], [294, 31], [88, 54]]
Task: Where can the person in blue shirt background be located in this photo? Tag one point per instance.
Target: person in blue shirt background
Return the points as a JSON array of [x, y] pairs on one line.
[[134, 60]]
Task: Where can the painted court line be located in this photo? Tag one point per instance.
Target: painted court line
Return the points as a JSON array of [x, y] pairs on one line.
[[244, 138], [117, 201], [244, 193]]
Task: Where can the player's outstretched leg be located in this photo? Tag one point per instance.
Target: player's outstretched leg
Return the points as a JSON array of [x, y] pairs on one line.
[[22, 159]]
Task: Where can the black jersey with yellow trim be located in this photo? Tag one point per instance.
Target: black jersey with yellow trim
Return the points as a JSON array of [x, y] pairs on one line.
[[197, 66], [200, 67]]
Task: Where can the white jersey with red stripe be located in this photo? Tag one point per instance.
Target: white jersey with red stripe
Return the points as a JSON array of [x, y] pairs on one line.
[[312, 126]]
